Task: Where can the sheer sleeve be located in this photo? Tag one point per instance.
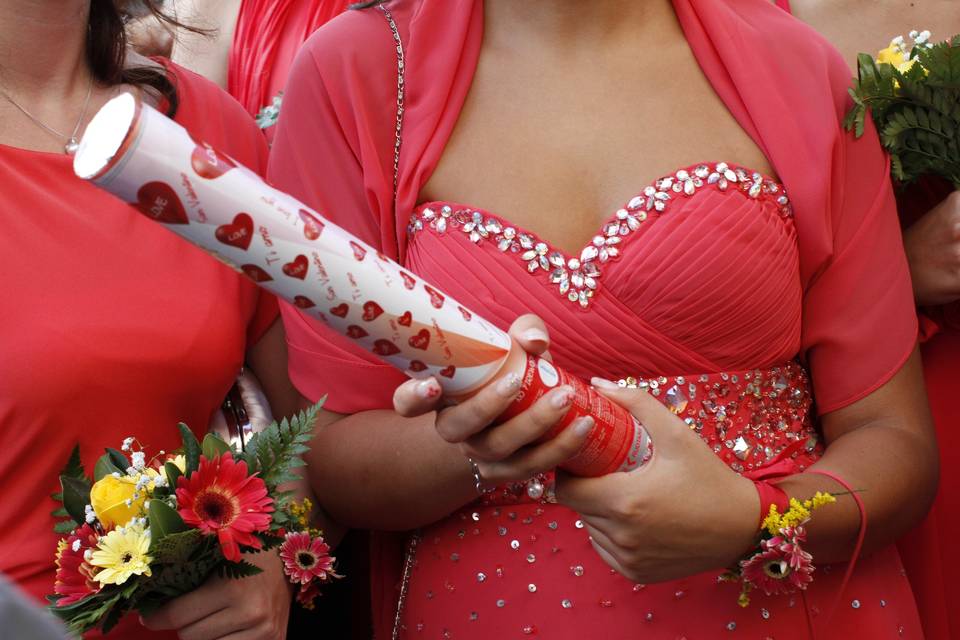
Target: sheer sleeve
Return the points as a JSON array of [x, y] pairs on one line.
[[859, 322], [325, 155]]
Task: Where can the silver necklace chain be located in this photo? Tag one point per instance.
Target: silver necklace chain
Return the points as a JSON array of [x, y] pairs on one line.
[[71, 144]]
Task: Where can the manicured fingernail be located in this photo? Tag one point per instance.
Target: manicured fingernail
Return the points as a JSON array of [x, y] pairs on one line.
[[428, 389], [562, 397], [603, 383], [508, 385], [583, 426], [535, 335]]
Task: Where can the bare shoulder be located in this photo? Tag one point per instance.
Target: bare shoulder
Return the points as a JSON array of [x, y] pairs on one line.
[[866, 26]]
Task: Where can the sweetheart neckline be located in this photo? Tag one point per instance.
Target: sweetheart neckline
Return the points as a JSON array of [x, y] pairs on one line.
[[577, 277]]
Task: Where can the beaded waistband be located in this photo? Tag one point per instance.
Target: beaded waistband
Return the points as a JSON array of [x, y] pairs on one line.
[[752, 419]]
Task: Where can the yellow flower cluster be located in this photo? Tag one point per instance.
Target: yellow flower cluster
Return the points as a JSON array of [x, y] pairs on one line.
[[300, 511], [798, 513]]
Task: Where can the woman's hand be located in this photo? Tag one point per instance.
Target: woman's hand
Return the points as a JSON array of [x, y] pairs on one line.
[[254, 608], [682, 513], [933, 249], [508, 451]]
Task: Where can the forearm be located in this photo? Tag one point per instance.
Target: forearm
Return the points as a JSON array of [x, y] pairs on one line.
[[894, 472], [378, 470]]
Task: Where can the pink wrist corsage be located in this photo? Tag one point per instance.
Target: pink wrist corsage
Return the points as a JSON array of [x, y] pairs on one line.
[[779, 565]]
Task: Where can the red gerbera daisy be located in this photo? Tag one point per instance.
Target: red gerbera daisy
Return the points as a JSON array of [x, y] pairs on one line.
[[305, 558], [220, 498], [74, 574]]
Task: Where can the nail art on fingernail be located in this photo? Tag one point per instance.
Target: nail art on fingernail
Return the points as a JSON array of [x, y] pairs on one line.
[[583, 426], [562, 398], [508, 385], [603, 383], [428, 389], [535, 335]]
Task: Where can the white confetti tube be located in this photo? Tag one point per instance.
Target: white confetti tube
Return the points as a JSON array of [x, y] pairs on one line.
[[151, 162]]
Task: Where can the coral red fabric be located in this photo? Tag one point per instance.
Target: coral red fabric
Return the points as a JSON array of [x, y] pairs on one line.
[[267, 37], [110, 326], [720, 282]]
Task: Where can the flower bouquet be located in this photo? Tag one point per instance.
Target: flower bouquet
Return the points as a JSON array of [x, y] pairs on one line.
[[912, 91], [143, 531]]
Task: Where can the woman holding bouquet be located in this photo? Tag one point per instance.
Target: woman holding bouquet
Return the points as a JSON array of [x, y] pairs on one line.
[[728, 299], [930, 216], [111, 327]]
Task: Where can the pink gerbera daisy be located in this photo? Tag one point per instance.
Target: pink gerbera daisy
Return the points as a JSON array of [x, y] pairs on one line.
[[306, 558], [74, 574], [221, 498], [780, 567]]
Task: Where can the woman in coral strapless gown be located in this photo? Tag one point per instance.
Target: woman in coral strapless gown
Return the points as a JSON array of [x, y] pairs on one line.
[[538, 130]]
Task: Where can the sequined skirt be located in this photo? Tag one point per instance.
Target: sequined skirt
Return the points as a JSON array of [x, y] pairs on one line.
[[516, 565]]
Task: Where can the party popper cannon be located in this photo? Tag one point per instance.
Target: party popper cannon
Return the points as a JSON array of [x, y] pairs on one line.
[[148, 160]]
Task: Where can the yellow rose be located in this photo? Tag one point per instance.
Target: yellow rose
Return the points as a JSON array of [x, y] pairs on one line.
[[109, 498]]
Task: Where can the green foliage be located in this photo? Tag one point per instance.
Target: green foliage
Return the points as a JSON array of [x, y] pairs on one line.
[[173, 474], [76, 496], [237, 570], [73, 469], [164, 521], [917, 113], [214, 446], [191, 449], [105, 467], [275, 452]]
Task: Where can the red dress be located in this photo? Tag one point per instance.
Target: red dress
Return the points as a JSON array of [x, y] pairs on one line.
[[733, 301], [266, 39], [110, 327]]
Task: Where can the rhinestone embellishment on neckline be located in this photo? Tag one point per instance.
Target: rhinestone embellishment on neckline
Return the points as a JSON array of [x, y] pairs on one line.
[[577, 278]]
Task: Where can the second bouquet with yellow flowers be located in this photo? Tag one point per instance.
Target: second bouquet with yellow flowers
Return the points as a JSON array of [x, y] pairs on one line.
[[912, 91], [143, 531]]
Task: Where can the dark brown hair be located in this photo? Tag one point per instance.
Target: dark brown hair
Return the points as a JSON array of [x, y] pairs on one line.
[[107, 49]]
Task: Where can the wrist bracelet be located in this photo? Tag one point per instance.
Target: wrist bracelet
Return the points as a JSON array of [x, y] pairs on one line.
[[480, 485]]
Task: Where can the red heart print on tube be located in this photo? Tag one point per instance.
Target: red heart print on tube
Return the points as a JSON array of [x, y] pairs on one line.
[[408, 281], [255, 273], [385, 348], [436, 299], [421, 340], [208, 163], [358, 252], [405, 320], [447, 372], [238, 233], [303, 302], [312, 226], [355, 332], [297, 268], [371, 311], [340, 310], [158, 201], [416, 366]]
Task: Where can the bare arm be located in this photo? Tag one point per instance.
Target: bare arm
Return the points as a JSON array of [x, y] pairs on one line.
[[885, 447]]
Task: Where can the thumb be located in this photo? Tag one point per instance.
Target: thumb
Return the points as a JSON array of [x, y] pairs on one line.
[[417, 397], [531, 332]]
